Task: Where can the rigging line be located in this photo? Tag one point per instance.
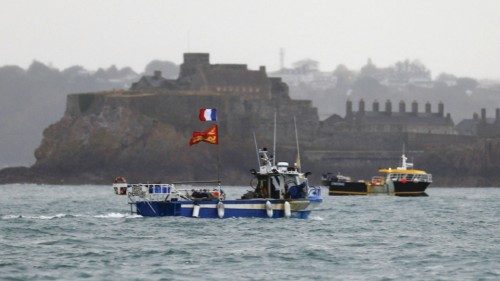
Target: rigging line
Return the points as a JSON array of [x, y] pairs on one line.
[[256, 149], [297, 141]]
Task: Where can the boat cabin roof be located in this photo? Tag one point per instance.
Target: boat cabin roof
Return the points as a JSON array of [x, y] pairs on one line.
[[401, 171]]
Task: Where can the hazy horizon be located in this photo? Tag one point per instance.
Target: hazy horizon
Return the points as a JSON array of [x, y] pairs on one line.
[[458, 37]]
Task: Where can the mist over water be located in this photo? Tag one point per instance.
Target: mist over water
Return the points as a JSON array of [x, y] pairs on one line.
[[77, 232]]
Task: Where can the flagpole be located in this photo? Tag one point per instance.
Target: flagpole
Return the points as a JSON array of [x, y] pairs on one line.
[[211, 135], [218, 159]]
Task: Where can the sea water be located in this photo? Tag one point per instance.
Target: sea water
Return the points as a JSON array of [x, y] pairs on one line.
[[87, 232]]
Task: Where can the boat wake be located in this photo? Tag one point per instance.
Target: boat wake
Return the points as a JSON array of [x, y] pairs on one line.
[[60, 216], [42, 217], [118, 216], [316, 218]]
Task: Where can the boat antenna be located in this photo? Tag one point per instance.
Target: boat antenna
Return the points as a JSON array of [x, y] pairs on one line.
[[256, 149], [297, 141], [274, 141], [403, 157]]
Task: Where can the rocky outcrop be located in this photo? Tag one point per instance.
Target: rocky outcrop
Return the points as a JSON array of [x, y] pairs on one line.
[[145, 137]]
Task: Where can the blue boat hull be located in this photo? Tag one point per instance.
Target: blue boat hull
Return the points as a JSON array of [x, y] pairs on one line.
[[232, 208]]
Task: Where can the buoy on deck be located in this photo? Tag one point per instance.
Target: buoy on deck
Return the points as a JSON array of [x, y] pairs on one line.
[[269, 209], [196, 210], [287, 209], [220, 210]]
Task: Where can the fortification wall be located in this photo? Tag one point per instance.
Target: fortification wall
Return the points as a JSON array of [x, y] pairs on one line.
[[238, 117]]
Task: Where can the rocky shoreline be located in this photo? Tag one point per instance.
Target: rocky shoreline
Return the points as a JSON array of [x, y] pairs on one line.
[[466, 166]]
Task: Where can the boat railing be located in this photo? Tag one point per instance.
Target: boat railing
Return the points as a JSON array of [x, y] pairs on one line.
[[163, 192], [150, 192]]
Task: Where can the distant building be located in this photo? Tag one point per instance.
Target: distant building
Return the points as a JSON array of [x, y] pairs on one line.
[[155, 81], [197, 74], [307, 72], [422, 82], [389, 121], [481, 127]]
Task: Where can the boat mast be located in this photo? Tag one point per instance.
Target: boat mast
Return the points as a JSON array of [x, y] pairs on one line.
[[274, 141], [297, 141], [256, 149]]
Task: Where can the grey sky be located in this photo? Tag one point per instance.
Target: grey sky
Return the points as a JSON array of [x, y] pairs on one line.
[[460, 37]]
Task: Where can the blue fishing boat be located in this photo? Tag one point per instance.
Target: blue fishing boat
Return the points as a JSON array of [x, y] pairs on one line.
[[281, 191]]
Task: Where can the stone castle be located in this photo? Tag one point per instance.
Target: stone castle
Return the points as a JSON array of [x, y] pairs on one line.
[[242, 96], [144, 131], [197, 74]]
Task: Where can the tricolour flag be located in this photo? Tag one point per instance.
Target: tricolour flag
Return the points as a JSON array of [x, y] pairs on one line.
[[208, 114], [211, 135]]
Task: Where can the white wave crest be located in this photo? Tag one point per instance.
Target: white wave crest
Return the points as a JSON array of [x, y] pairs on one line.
[[316, 218], [58, 216], [10, 217], [118, 216]]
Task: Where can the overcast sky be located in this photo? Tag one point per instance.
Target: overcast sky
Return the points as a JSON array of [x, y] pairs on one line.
[[460, 37]]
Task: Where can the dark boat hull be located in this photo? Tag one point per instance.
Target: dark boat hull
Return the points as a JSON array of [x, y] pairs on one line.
[[348, 188], [361, 188], [410, 188]]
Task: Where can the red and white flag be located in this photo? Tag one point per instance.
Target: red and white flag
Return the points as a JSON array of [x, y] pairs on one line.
[[211, 136]]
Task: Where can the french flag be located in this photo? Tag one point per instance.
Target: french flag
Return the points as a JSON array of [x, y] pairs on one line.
[[208, 114]]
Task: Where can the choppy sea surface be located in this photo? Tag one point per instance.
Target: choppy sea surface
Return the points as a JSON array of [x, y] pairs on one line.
[[86, 232]]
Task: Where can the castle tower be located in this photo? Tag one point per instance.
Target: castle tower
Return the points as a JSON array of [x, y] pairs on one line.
[[402, 106], [376, 106], [388, 107], [192, 61], [441, 109], [427, 107], [414, 107]]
